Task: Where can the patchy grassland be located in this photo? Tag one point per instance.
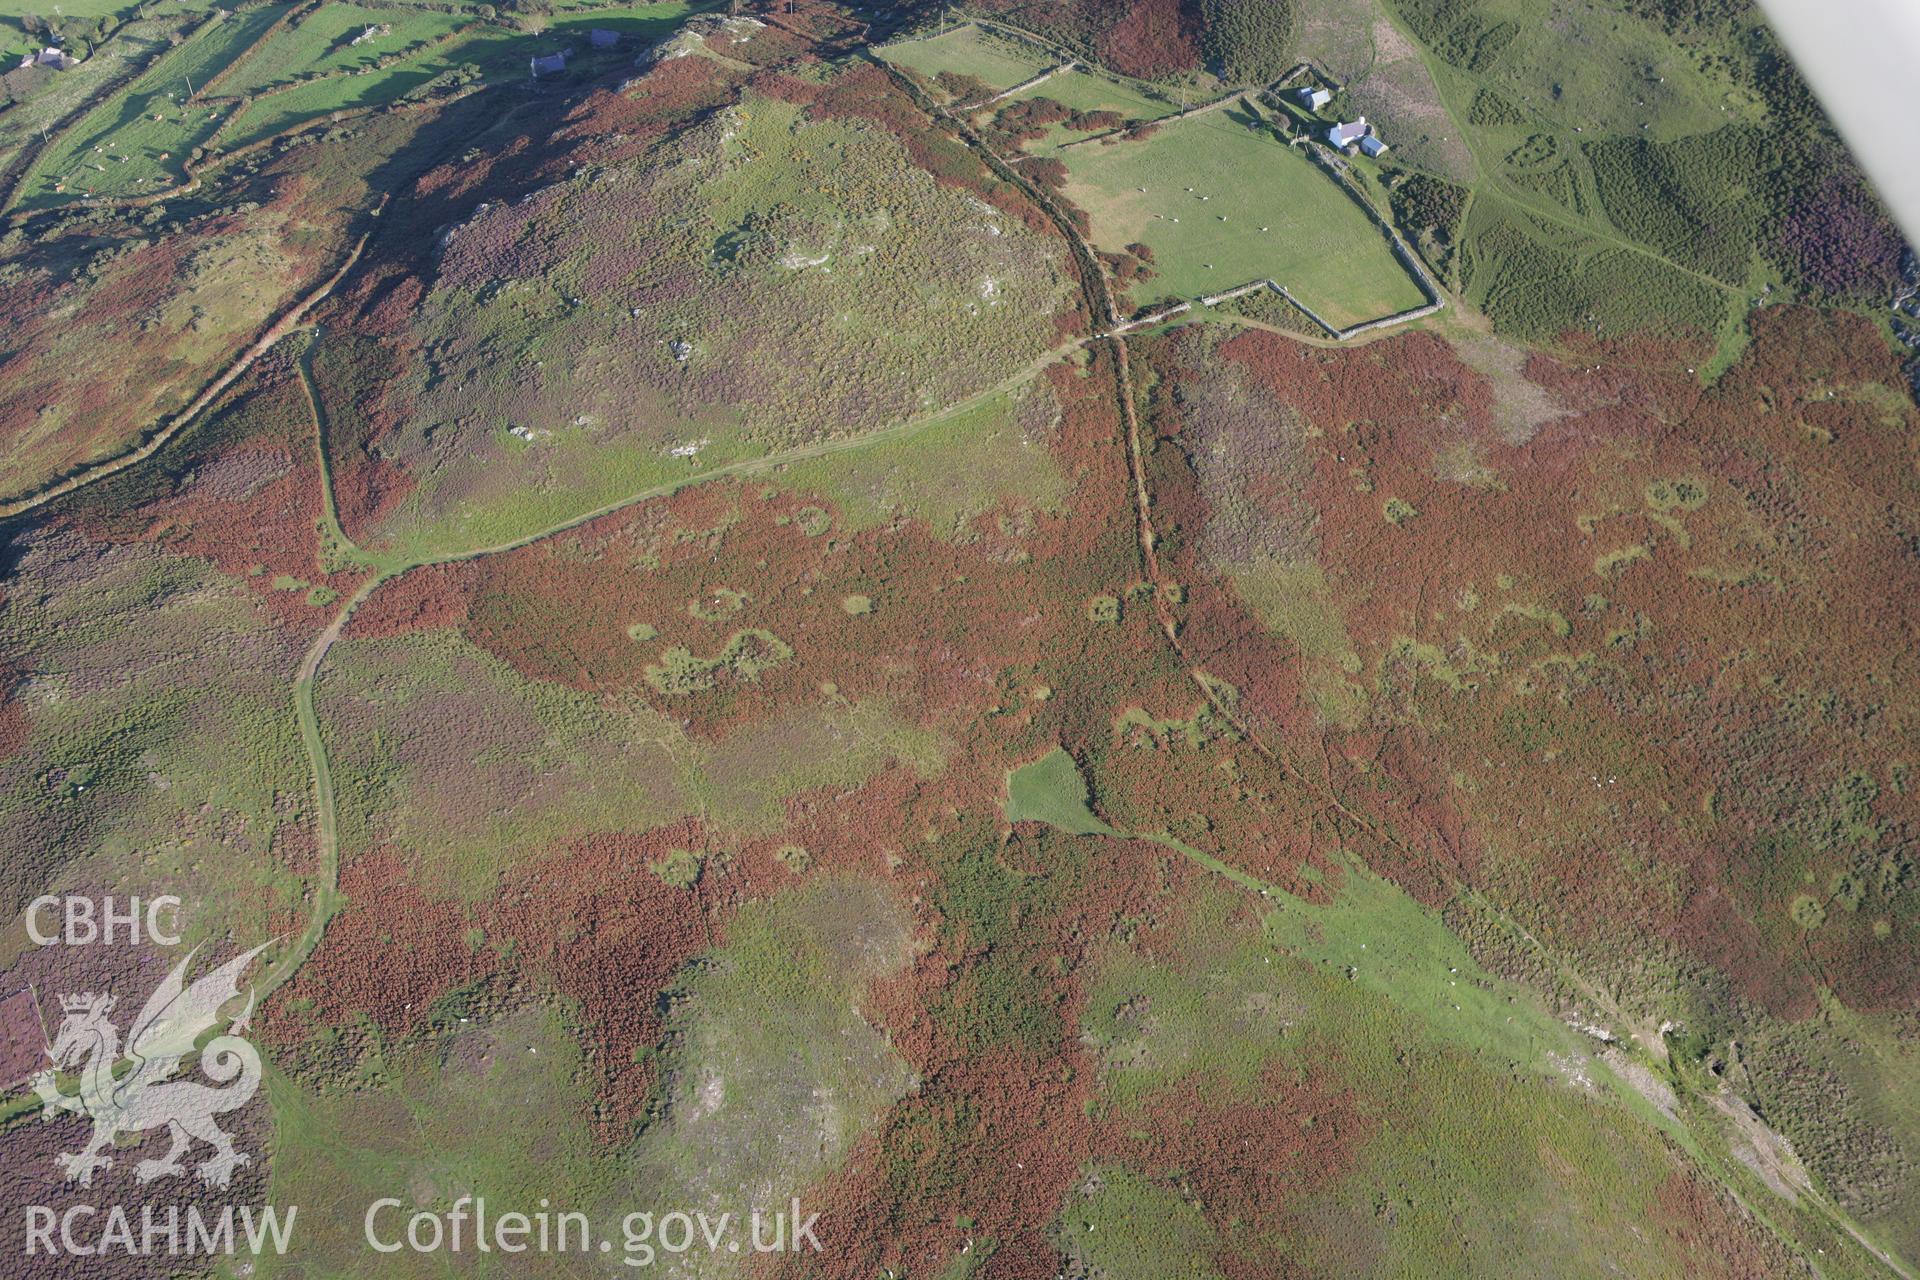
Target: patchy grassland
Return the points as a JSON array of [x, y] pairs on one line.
[[640, 324], [467, 802], [470, 769], [156, 749], [1203, 1035], [1369, 933], [1539, 279], [433, 1118], [1495, 1140], [947, 471], [774, 1073], [1495, 651], [995, 61], [144, 322], [1662, 154], [1225, 203], [1601, 68], [768, 1074]]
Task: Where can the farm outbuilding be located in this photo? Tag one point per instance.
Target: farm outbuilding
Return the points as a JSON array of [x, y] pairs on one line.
[[551, 64], [57, 59], [601, 38], [1312, 96], [1348, 132]]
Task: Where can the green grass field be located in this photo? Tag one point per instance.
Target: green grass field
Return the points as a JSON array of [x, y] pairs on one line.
[[14, 39], [143, 134], [62, 99], [1087, 91], [972, 460], [323, 45], [1222, 202], [970, 51], [498, 53], [1051, 790], [134, 141]]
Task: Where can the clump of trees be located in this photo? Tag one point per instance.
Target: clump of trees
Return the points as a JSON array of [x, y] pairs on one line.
[[1248, 41], [1430, 210]]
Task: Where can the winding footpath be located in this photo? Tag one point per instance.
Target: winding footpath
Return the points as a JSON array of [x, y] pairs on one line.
[[325, 893], [288, 322]]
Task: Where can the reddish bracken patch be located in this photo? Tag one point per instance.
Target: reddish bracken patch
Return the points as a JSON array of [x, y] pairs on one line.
[[388, 955], [1708, 1235], [1154, 38], [588, 922], [14, 725], [1248, 1158], [437, 596], [242, 494], [1599, 646]]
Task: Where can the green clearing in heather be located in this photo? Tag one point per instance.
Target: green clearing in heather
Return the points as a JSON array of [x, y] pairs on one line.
[[1221, 202], [1051, 790], [1372, 936], [970, 51]]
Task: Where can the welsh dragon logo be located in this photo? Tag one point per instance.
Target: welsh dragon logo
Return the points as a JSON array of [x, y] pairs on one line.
[[142, 1095]]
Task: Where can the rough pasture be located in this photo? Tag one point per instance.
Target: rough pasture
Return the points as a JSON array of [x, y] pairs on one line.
[[1518, 648], [1221, 202], [764, 280]]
